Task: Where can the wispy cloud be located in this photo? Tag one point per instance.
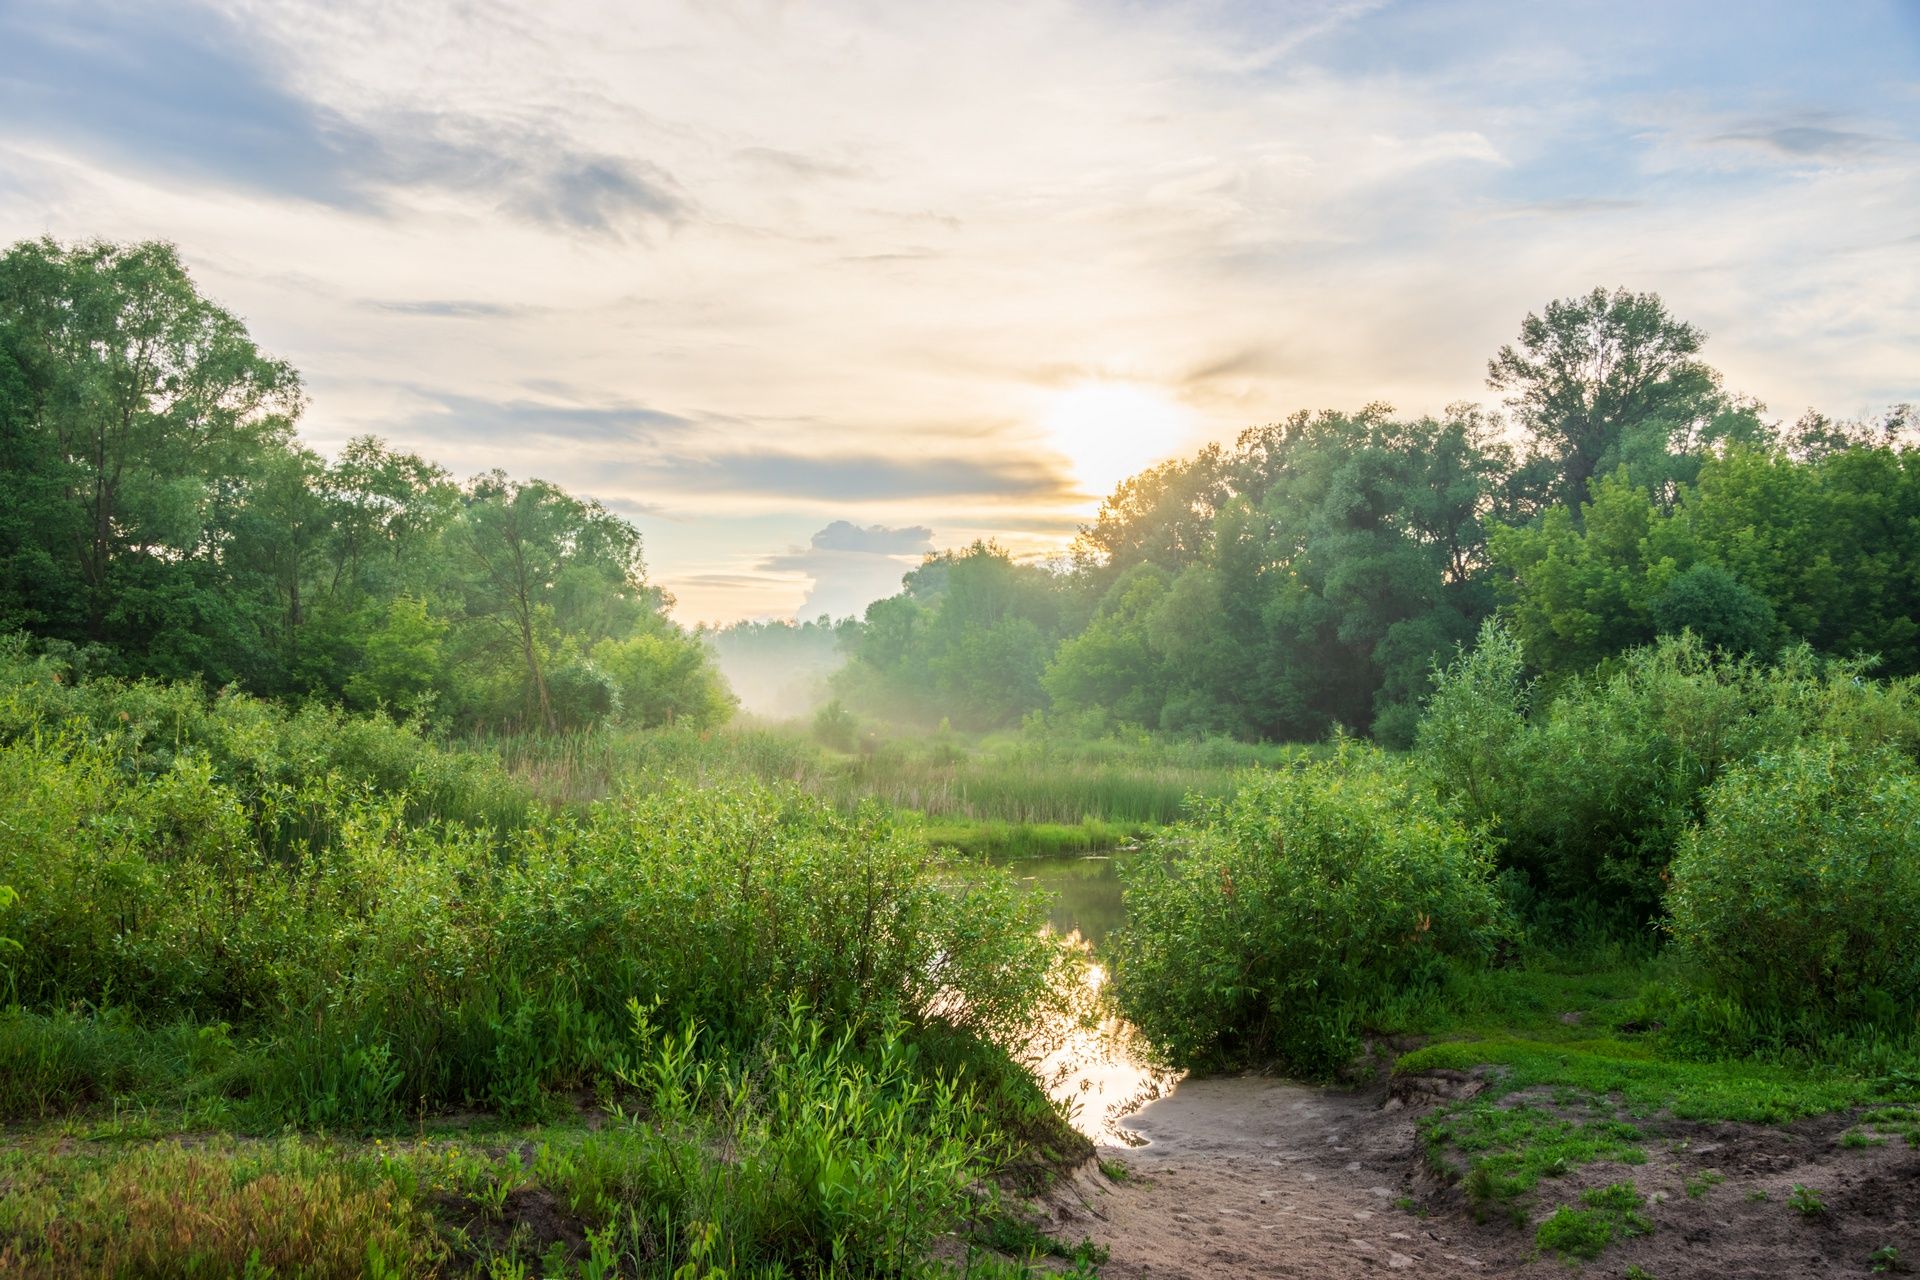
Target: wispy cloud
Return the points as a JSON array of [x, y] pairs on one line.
[[1801, 139], [515, 421], [451, 308], [189, 92]]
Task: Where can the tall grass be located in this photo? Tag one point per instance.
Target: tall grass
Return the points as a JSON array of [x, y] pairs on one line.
[[1020, 779]]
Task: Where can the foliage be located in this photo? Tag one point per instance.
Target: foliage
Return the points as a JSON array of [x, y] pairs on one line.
[[1592, 370], [1273, 924], [157, 512], [965, 640], [273, 872], [813, 1156], [1761, 546], [1798, 895], [1593, 791]]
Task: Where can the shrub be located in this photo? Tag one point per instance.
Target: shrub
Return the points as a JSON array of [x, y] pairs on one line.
[[393, 965], [835, 726], [1592, 793], [1273, 923], [582, 695], [1798, 897]]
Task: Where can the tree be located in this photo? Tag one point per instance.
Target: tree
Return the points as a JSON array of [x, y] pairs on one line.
[[539, 564], [1594, 368], [144, 412], [1724, 612], [967, 638]]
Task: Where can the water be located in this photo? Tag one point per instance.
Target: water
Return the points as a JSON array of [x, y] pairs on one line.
[[1085, 889], [1101, 1070]]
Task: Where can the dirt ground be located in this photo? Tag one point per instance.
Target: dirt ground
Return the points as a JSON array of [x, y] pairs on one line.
[[1260, 1178]]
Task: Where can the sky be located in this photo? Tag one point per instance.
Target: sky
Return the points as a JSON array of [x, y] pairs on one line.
[[805, 290]]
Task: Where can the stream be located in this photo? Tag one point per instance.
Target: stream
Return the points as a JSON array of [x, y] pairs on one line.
[[1101, 1071]]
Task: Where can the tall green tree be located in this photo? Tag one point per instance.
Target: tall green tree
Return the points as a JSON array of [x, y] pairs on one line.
[[540, 566], [139, 417], [1591, 372]]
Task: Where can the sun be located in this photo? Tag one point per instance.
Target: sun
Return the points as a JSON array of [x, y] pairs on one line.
[[1111, 430]]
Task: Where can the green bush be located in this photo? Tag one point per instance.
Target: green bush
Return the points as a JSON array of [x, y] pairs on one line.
[[1798, 896], [228, 863], [1591, 789], [1273, 923]]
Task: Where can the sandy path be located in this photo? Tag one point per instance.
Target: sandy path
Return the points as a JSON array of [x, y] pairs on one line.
[[1256, 1177]]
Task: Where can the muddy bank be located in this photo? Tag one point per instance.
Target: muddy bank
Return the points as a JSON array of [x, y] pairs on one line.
[[1261, 1178]]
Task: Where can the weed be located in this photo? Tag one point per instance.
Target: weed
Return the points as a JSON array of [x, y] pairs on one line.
[[1014, 1235], [1806, 1201]]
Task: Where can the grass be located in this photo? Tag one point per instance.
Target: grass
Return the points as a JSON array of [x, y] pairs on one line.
[[991, 838], [1506, 1150], [969, 785], [1569, 1091], [209, 1207], [1016, 1236], [1606, 1214]]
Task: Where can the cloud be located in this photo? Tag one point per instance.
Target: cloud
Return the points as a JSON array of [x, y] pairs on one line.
[[452, 309], [193, 94], [850, 566], [795, 165], [1801, 140], [877, 539], [507, 421], [860, 477]]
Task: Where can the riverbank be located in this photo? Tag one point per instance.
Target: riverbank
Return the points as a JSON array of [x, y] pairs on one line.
[[1255, 1177]]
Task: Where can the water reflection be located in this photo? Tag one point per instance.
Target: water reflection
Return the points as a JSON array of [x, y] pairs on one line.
[[1098, 1065]]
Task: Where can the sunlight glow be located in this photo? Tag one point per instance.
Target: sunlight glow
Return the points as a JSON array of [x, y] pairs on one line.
[[1110, 430]]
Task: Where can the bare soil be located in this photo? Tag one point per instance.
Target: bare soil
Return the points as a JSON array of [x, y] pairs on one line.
[[1255, 1177]]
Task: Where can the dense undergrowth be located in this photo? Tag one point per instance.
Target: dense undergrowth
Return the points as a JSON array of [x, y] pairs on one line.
[[1758, 817], [247, 918]]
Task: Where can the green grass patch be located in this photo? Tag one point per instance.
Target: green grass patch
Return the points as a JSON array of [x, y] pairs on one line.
[[1011, 1234], [1507, 1150], [1631, 1070], [1879, 1124], [1607, 1214], [991, 838]]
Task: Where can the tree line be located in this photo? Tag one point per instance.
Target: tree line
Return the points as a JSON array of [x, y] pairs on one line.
[[160, 517], [1313, 574]]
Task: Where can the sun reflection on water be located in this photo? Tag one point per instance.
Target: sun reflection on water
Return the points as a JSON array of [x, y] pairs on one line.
[[1098, 1064]]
